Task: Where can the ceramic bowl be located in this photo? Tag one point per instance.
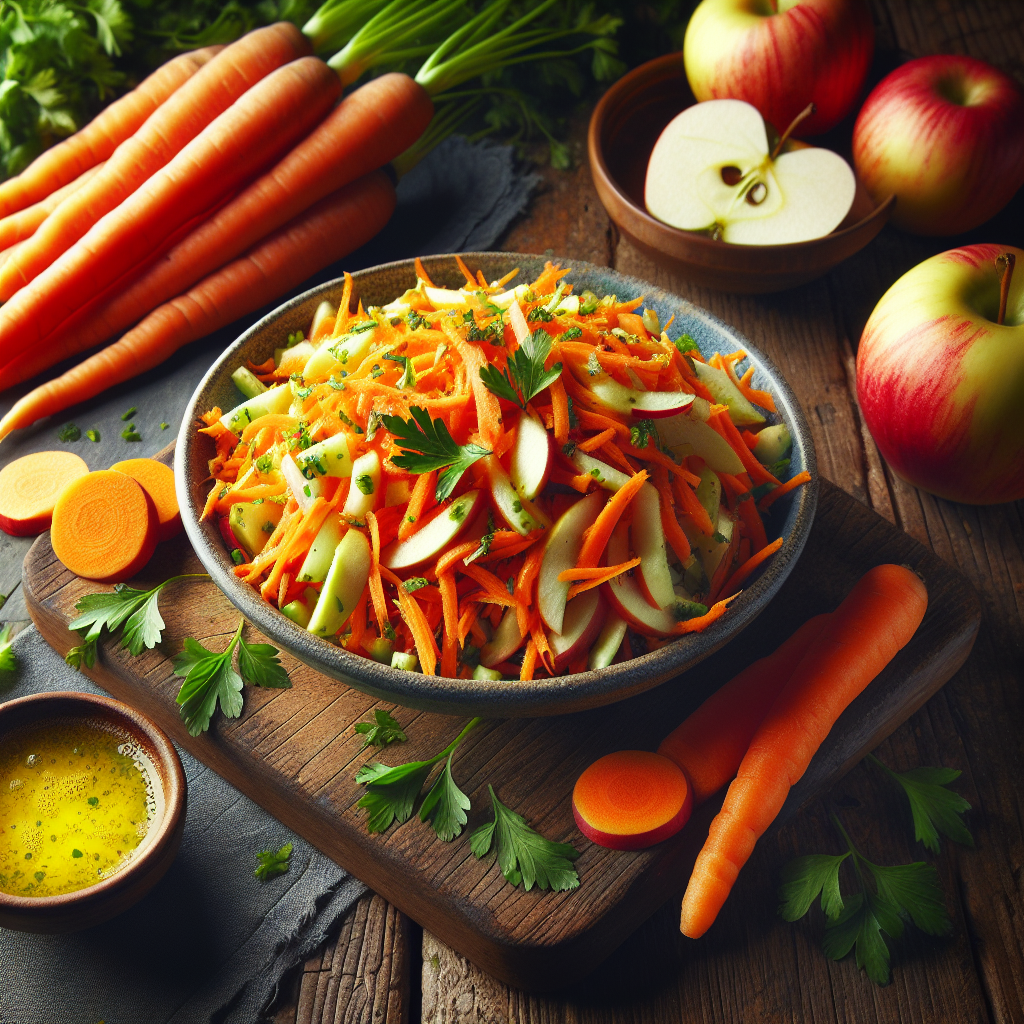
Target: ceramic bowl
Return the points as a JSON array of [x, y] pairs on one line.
[[624, 127], [792, 520], [151, 859]]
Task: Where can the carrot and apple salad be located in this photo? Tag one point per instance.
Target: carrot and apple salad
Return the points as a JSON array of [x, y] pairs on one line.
[[496, 481]]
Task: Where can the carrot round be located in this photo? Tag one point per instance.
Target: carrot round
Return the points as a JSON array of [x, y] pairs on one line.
[[253, 132], [64, 162], [876, 620], [104, 527], [327, 231], [29, 488], [157, 480], [367, 129], [186, 113], [710, 744], [631, 799]]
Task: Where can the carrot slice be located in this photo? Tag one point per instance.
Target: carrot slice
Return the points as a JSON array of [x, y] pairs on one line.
[[157, 480], [104, 527], [30, 487]]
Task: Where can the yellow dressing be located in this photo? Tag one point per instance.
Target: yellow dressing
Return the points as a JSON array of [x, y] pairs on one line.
[[76, 800]]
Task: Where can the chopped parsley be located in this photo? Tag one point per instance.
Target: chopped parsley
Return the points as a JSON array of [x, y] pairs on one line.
[[524, 377], [129, 413], [69, 432], [271, 864], [93, 435], [130, 433]]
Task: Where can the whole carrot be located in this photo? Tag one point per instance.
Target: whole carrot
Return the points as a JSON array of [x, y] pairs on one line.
[[63, 163], [207, 94], [252, 133], [327, 231], [367, 129], [709, 746], [862, 636], [18, 226]]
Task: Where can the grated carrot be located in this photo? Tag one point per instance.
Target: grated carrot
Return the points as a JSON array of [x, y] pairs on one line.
[[595, 540], [792, 484]]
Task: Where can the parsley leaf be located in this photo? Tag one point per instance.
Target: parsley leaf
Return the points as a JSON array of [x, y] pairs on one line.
[[802, 881], [445, 805], [915, 892], [8, 660], [408, 378], [934, 808], [429, 446], [485, 541], [684, 343], [209, 680], [69, 432], [272, 864], [382, 731], [524, 377], [130, 433], [861, 924], [641, 435], [259, 665], [136, 610], [129, 413], [93, 435], [524, 856]]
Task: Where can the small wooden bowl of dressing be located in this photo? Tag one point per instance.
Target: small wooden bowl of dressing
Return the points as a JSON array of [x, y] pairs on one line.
[[92, 810]]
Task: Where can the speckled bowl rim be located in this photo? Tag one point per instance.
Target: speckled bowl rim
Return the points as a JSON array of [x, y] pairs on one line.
[[471, 696], [38, 708]]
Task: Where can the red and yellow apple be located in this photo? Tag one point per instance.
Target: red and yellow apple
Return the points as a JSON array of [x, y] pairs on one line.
[[941, 382], [945, 135], [780, 55]]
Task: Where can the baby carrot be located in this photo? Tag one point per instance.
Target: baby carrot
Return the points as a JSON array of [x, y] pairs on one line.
[[326, 232], [877, 619], [63, 163]]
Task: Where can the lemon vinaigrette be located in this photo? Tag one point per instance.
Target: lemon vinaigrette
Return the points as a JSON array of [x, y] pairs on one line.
[[76, 800]]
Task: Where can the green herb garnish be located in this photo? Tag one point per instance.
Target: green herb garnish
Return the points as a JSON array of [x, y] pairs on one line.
[[69, 432], [130, 433], [525, 857], [129, 413], [641, 435], [381, 731], [428, 446], [485, 541], [408, 378], [8, 659], [684, 343], [524, 377], [93, 435], [271, 864]]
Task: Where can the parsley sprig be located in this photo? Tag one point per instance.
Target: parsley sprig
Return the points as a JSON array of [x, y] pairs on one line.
[[381, 731], [899, 893], [524, 377], [136, 611], [934, 808], [210, 678], [8, 659], [525, 857], [271, 863], [428, 446]]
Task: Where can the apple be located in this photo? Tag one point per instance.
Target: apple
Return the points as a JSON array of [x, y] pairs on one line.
[[531, 457], [781, 55], [508, 502], [641, 405], [561, 550], [940, 376], [608, 642], [626, 597], [584, 617], [945, 134], [506, 641], [648, 538], [608, 477], [429, 541], [712, 170], [685, 435]]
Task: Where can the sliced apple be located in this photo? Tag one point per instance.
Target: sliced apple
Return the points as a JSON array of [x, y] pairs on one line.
[[324, 312], [429, 541], [610, 478], [560, 553], [294, 359], [304, 491], [608, 642], [274, 400], [725, 392], [685, 435], [317, 562], [505, 299], [517, 319], [652, 574], [773, 443], [626, 597], [252, 523], [531, 457], [639, 404], [348, 351], [507, 501], [582, 622], [329, 457], [445, 298], [504, 643], [346, 580], [362, 495]]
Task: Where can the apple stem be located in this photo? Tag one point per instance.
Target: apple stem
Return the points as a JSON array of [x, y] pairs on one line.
[[1006, 261], [805, 113]]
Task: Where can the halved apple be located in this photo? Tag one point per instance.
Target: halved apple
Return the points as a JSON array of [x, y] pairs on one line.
[[642, 405], [685, 435], [429, 541], [582, 622], [507, 501], [560, 553], [608, 477], [626, 597], [504, 643], [652, 574], [531, 457], [304, 491]]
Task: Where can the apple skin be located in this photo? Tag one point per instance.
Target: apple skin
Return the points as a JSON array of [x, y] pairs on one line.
[[941, 384], [951, 165], [810, 51]]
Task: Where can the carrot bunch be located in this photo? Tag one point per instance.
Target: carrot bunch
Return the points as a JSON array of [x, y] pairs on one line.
[[520, 519], [225, 179]]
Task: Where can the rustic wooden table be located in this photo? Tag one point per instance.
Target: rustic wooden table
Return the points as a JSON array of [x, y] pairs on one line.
[[752, 965]]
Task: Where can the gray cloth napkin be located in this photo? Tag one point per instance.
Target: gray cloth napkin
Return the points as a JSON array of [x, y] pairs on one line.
[[210, 942]]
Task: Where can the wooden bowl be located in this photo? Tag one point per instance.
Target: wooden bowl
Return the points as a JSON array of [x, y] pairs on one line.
[[624, 127], [378, 285], [150, 860]]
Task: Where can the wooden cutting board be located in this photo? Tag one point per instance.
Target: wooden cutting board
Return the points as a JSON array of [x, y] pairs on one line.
[[295, 751]]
